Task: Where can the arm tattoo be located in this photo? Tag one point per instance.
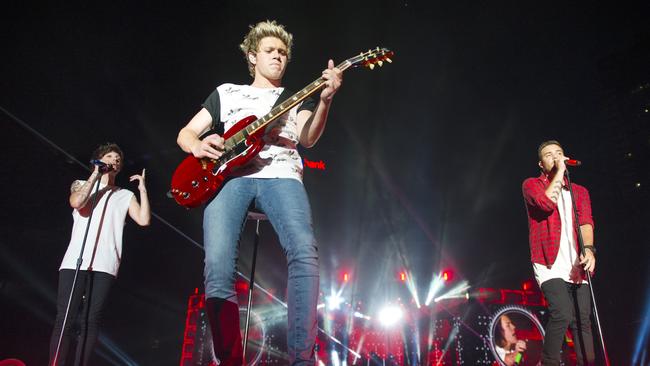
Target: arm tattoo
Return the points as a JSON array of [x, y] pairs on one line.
[[555, 193], [81, 187], [76, 186]]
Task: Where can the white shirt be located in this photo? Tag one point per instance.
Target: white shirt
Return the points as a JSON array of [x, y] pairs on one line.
[[279, 158], [501, 352], [567, 264], [103, 250]]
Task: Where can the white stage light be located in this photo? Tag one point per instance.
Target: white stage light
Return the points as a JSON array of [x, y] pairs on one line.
[[334, 302], [361, 315], [335, 358], [410, 285], [434, 288], [390, 315], [459, 291]]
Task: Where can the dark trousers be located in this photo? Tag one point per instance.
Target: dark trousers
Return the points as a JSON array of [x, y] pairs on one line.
[[92, 288], [569, 306]]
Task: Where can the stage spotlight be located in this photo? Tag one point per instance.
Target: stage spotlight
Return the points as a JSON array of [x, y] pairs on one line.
[[361, 316], [527, 285], [402, 276], [334, 358], [390, 315], [434, 287], [344, 275], [447, 275], [459, 291], [409, 279], [334, 302], [641, 354]]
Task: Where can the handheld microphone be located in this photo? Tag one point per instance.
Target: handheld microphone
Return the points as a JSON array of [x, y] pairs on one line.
[[520, 355], [518, 358], [572, 162], [103, 167]]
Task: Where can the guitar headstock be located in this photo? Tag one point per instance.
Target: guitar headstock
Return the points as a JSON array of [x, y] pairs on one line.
[[372, 57]]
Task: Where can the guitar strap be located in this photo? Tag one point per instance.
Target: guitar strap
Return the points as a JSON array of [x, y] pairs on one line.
[[218, 127], [286, 93]]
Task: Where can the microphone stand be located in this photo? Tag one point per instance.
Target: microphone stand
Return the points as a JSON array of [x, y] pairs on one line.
[[591, 288], [76, 271]]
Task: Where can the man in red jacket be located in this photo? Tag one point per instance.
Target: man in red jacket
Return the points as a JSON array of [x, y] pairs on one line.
[[557, 262]]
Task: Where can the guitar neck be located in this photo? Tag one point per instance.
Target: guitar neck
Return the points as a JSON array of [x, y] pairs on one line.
[[367, 59], [282, 108]]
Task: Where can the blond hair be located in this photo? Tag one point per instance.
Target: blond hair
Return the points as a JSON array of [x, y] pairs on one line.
[[268, 28]]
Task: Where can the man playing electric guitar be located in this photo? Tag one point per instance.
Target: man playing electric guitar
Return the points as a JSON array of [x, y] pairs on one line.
[[272, 181]]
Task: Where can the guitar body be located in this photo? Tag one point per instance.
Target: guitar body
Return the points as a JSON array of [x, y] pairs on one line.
[[196, 180]]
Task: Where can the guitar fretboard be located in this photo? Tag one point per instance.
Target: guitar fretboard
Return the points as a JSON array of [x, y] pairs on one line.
[[280, 109]]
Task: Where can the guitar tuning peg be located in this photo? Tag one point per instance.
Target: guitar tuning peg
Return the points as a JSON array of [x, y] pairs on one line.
[[371, 66], [389, 60], [380, 63]]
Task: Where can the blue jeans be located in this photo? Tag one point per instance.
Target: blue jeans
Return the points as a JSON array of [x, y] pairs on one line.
[[285, 203]]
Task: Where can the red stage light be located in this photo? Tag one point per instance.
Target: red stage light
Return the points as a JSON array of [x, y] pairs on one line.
[[241, 286], [346, 277], [527, 285], [402, 276], [447, 275]]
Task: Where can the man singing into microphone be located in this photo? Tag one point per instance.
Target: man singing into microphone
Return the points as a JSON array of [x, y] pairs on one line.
[[102, 251], [558, 266]]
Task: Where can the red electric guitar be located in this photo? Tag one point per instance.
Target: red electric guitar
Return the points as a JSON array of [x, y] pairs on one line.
[[196, 180]]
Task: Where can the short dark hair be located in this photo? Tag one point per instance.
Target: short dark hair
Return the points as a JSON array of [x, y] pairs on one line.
[[545, 144], [105, 148]]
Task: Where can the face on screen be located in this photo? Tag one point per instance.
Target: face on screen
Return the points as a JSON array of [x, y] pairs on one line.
[[516, 337]]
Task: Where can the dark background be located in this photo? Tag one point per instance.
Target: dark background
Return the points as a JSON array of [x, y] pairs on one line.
[[424, 157]]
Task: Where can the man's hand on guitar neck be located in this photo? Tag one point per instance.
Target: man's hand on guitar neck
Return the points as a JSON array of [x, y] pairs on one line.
[[210, 147], [333, 80]]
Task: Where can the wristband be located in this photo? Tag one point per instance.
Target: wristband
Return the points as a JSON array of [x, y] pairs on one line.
[[592, 248]]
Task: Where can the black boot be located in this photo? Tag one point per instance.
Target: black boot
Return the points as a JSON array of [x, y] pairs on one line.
[[226, 336]]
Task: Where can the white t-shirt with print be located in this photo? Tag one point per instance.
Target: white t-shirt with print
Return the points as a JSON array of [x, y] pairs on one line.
[[279, 158]]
